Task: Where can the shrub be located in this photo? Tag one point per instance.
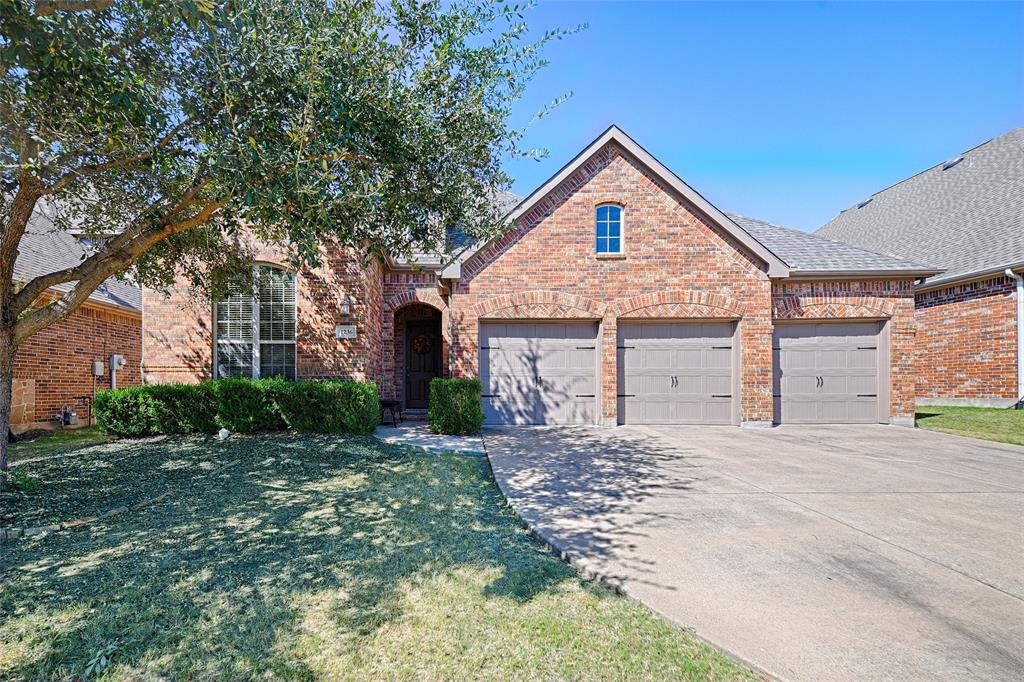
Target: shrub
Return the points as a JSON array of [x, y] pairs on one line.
[[455, 406], [247, 405], [185, 408], [132, 412], [329, 406]]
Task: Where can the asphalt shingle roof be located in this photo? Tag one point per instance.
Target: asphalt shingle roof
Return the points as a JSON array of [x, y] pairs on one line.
[[966, 218], [45, 248], [811, 253]]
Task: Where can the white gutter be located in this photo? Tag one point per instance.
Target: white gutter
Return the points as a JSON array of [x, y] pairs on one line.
[[1020, 334]]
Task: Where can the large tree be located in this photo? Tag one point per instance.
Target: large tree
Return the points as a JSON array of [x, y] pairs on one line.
[[164, 125]]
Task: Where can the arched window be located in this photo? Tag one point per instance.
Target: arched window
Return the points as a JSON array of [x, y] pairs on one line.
[[609, 229], [255, 328]]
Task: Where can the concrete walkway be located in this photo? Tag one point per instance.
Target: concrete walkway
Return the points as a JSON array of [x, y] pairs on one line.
[[814, 553], [418, 435]]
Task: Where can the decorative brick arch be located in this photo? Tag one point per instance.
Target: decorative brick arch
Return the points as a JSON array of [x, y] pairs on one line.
[[686, 304], [411, 296], [540, 304], [821, 308]]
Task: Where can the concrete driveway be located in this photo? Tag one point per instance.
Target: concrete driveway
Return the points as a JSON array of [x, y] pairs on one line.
[[813, 553]]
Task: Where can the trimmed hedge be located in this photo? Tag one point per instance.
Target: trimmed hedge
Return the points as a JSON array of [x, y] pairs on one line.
[[240, 405], [455, 407], [329, 406]]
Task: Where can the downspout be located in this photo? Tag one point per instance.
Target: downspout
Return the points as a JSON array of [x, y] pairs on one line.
[[1020, 336]]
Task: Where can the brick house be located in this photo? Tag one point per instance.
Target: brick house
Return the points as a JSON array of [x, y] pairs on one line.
[[54, 368], [965, 215], [617, 295]]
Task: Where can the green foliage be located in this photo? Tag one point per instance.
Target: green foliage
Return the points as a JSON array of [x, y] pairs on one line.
[[247, 405], [22, 480], [455, 407], [130, 412], [240, 406], [363, 122], [185, 408], [329, 406]]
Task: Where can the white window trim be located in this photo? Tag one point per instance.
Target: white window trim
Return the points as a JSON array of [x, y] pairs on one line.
[[622, 229], [256, 327]]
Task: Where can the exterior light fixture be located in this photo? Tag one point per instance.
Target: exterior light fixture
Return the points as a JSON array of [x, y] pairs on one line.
[[345, 308]]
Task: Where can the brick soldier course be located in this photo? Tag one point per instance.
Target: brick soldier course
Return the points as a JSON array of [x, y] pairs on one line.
[[682, 260]]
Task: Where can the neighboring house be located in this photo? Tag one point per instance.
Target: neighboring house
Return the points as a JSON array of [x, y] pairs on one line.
[[966, 216], [616, 295], [54, 368]]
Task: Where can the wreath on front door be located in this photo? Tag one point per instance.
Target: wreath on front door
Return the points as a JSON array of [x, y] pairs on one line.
[[422, 344]]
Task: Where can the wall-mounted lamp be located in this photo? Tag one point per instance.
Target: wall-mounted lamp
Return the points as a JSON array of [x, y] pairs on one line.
[[345, 307]]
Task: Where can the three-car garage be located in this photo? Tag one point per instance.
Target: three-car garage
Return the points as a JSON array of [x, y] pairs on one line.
[[679, 371]]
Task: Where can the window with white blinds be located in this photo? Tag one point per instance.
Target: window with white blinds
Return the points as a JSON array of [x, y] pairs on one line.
[[255, 329]]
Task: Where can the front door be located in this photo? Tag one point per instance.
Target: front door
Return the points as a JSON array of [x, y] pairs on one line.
[[422, 361]]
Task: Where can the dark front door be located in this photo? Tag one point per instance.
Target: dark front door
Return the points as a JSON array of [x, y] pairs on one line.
[[422, 360]]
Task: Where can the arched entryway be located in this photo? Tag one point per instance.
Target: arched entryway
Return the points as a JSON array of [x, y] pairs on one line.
[[420, 353]]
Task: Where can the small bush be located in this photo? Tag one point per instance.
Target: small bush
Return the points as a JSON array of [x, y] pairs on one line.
[[130, 412], [329, 406], [455, 406], [247, 405], [185, 408]]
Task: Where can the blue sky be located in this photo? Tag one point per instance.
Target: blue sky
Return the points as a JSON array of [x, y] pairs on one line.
[[784, 112]]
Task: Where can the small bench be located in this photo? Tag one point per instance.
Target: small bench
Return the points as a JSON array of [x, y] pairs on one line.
[[395, 407]]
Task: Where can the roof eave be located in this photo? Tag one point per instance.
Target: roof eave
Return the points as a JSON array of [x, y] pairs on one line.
[[982, 273], [863, 274]]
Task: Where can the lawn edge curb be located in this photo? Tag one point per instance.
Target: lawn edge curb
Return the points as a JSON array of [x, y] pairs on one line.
[[578, 564]]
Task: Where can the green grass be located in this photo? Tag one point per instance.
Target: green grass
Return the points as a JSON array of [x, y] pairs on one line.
[[59, 441], [302, 557], [1002, 425]]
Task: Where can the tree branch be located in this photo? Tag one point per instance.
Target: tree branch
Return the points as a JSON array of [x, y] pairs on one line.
[[98, 268], [45, 8], [93, 169]]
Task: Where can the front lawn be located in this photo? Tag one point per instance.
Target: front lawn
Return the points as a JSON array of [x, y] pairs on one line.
[[1003, 425], [306, 557]]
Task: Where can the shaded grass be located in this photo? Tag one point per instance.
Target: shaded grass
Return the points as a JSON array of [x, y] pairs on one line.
[[304, 557], [1002, 425], [58, 441]]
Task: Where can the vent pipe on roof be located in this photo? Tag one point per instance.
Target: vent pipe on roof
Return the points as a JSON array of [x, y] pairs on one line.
[[1020, 336]]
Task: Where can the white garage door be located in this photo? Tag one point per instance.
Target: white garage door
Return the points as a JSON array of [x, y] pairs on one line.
[[539, 372], [826, 373], [676, 372]]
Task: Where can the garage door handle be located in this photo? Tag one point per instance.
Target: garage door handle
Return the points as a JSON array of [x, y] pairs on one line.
[[821, 382]]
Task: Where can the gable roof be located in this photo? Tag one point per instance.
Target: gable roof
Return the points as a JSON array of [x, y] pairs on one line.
[[808, 254], [966, 217], [45, 248], [776, 268]]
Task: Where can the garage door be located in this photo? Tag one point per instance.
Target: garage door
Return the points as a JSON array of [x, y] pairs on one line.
[[827, 373], [539, 372], [676, 373]]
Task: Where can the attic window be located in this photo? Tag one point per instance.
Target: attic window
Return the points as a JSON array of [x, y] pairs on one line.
[[952, 162], [865, 202]]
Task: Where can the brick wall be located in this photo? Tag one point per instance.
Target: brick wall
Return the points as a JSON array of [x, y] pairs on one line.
[[54, 367], [892, 300], [674, 258], [967, 342], [178, 330]]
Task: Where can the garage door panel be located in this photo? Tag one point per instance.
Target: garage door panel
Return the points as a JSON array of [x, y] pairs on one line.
[[534, 372], [669, 372], [826, 372]]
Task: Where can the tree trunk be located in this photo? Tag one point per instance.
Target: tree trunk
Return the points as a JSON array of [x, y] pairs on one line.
[[7, 349]]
